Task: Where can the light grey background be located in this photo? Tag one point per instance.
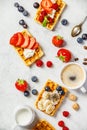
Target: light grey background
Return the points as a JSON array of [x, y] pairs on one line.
[[12, 67]]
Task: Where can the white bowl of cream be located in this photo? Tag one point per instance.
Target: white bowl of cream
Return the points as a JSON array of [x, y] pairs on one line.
[[24, 116]]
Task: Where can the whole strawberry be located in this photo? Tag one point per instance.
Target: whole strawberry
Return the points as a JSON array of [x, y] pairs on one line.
[[21, 85], [57, 41]]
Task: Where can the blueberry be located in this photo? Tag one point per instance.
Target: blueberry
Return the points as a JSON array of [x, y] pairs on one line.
[[20, 9], [16, 4], [61, 92], [26, 93], [34, 92], [25, 13], [84, 36], [25, 25], [47, 88], [59, 88], [34, 79], [36, 5], [64, 22], [21, 22], [79, 40]]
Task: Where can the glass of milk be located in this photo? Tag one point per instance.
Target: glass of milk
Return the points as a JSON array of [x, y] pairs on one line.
[[24, 116]]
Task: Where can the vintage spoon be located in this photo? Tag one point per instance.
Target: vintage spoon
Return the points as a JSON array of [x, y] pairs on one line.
[[78, 28]]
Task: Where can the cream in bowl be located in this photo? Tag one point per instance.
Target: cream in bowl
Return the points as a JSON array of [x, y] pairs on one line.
[[73, 75], [24, 116]]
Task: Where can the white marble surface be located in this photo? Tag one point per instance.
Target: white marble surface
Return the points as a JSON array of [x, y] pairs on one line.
[[12, 67]]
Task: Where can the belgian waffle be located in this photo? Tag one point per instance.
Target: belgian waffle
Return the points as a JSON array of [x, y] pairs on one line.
[[43, 125], [53, 87], [58, 13], [37, 55]]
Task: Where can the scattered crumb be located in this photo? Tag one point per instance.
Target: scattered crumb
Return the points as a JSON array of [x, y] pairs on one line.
[[76, 58], [72, 97], [85, 63], [85, 47], [85, 59], [75, 106]]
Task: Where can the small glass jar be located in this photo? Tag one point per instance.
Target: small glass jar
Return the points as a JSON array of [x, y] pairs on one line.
[[24, 116]]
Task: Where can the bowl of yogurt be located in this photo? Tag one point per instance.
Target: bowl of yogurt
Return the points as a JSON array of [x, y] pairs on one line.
[[24, 116]]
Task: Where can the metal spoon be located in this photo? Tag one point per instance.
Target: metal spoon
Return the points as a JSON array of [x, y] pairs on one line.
[[78, 28]]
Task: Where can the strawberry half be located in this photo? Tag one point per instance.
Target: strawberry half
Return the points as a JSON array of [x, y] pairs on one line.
[[14, 39], [32, 42], [47, 4], [26, 42]]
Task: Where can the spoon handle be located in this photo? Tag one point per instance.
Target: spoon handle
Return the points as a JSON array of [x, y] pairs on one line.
[[83, 21]]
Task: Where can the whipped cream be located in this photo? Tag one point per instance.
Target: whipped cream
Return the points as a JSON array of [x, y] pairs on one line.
[[53, 1], [28, 53], [52, 14]]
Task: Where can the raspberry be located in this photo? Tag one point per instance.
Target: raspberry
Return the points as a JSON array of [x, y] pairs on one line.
[[49, 64], [50, 20], [66, 113], [41, 18], [61, 123], [65, 128], [55, 6], [39, 63], [43, 13]]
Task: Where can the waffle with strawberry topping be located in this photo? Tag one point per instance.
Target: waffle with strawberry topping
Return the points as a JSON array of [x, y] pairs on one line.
[[43, 125], [49, 13], [50, 98], [26, 46]]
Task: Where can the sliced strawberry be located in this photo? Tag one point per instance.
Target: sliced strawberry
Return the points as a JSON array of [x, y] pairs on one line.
[[20, 39], [14, 39], [26, 42], [47, 4], [32, 42], [35, 46]]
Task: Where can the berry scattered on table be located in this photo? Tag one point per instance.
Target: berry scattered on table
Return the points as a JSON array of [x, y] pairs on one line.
[[21, 85], [25, 13], [57, 41], [16, 4], [61, 123], [47, 89], [34, 78], [49, 64], [84, 36], [25, 26], [66, 113], [21, 22], [65, 128], [20, 8], [34, 92], [39, 63], [26, 93], [79, 40], [64, 55], [36, 5], [64, 22]]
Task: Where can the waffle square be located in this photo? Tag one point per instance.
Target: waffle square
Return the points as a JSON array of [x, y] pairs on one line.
[[50, 26], [43, 125], [42, 101], [37, 55]]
